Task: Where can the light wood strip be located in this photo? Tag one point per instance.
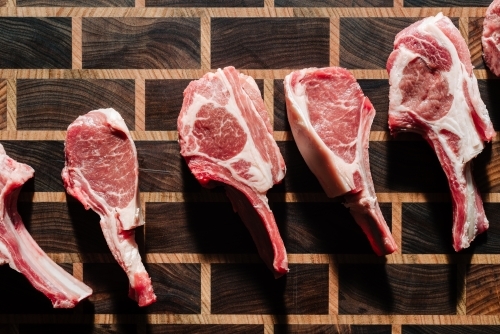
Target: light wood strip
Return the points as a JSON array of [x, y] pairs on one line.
[[397, 225], [397, 329], [166, 318], [242, 12], [334, 41], [463, 26], [268, 3], [11, 4], [140, 3], [152, 74], [399, 4], [269, 99], [205, 41], [78, 271], [11, 106], [140, 105], [333, 289], [461, 290], [206, 285], [76, 43], [268, 329]]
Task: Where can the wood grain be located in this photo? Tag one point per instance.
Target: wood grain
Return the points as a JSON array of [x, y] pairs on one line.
[[78, 329], [141, 43], [46, 157], [367, 42], [401, 289], [446, 3], [482, 289], [280, 116], [55, 104], [304, 290], [75, 3], [205, 3], [378, 93], [206, 329], [331, 329], [448, 329], [270, 43], [196, 227], [3, 104], [475, 46], [488, 90], [35, 42], [333, 3]]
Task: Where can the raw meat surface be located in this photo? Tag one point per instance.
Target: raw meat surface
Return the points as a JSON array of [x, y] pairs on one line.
[[330, 118], [21, 252], [491, 37], [102, 173], [226, 138], [434, 92]]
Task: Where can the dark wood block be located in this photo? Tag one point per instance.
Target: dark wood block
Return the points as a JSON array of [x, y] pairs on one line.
[[482, 282], [475, 46], [268, 43], [196, 227], [205, 329], [18, 296], [162, 168], [427, 230], [449, 329], [63, 227], [325, 228], [397, 289], [332, 329], [489, 94], [205, 3], [446, 3], [485, 168], [280, 115], [141, 43], [333, 3], [163, 103], [299, 177], [251, 289], [3, 3], [177, 288], [28, 42], [110, 290], [378, 93], [3, 104], [367, 42], [75, 3], [406, 166], [45, 157], [122, 328], [55, 104]]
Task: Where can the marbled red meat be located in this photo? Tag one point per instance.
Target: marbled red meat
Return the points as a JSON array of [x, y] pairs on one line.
[[102, 173], [330, 119], [434, 92], [21, 252], [226, 138], [491, 37]]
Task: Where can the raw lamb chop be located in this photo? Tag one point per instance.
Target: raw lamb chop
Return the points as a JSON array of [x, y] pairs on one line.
[[434, 92], [491, 37], [330, 118], [102, 173], [21, 252], [226, 138]]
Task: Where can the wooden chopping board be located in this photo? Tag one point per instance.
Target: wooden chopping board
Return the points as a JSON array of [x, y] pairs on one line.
[[62, 58]]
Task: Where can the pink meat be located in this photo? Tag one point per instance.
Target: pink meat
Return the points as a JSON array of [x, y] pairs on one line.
[[491, 37], [330, 118], [434, 92], [21, 252], [102, 173], [226, 138]]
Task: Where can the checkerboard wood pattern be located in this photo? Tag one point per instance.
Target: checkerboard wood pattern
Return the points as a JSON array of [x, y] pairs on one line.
[[63, 58]]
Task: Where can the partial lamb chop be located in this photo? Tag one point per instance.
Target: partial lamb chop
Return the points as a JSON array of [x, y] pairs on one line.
[[21, 252], [102, 173], [226, 139], [330, 118], [434, 93], [491, 37]]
